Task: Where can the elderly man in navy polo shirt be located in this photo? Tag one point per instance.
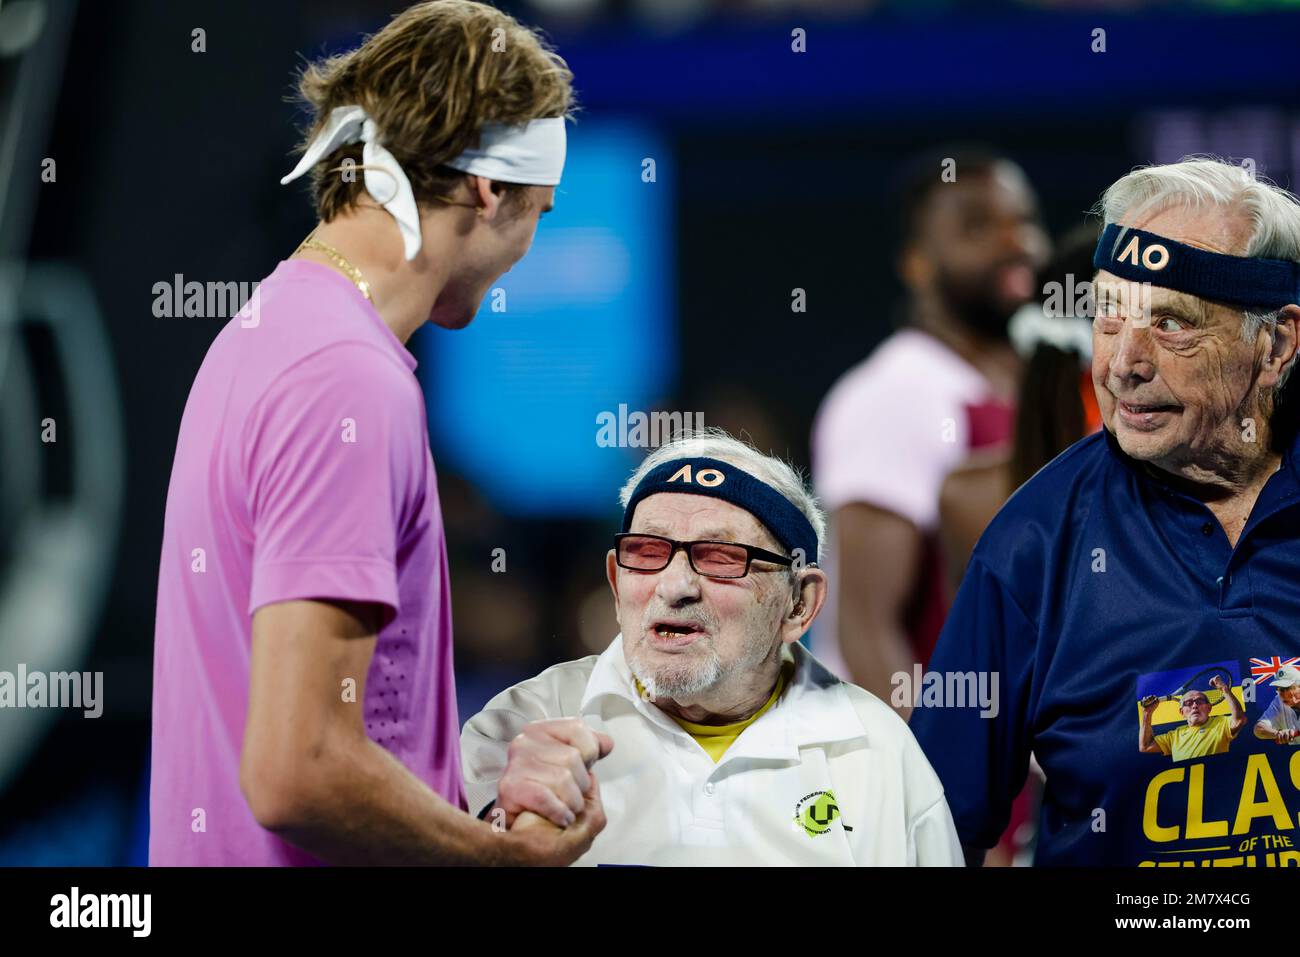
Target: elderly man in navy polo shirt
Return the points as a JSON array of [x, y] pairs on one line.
[[1157, 557]]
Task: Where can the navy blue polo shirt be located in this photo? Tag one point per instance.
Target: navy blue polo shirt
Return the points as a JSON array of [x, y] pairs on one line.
[[1096, 585]]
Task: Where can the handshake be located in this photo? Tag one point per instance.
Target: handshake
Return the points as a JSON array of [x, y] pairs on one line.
[[548, 792]]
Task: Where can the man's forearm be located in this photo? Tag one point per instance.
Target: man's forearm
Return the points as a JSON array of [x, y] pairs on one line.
[[1264, 729], [357, 804], [1238, 712], [875, 653]]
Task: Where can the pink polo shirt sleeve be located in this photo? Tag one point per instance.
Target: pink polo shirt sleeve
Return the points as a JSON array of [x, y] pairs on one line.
[[333, 456]]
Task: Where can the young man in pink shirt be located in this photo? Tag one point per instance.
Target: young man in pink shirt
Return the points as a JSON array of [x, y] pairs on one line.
[[304, 707]]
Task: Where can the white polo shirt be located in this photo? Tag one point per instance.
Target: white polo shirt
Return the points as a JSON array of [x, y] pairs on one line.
[[1282, 717], [829, 775]]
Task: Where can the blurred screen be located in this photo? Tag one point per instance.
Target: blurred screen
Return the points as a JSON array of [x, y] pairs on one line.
[[582, 324]]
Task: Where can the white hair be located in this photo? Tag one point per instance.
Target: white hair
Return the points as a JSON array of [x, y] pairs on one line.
[[717, 444], [1274, 213]]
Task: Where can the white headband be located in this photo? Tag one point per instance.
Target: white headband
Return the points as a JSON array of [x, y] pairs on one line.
[[1031, 327], [532, 155]]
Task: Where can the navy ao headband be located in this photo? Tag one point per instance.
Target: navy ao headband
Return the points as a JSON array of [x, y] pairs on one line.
[[704, 476], [1139, 256]]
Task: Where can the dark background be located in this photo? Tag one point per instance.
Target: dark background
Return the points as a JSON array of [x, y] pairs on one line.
[[784, 173]]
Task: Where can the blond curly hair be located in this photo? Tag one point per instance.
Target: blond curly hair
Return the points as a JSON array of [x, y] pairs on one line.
[[430, 80]]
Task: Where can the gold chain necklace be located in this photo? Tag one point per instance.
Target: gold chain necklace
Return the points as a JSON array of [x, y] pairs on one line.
[[353, 273]]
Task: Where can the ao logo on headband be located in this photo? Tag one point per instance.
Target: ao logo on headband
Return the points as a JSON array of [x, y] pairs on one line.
[[701, 475], [1251, 282], [1155, 257], [709, 478]]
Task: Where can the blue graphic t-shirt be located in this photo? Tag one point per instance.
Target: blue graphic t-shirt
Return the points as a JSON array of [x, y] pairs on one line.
[[1119, 620]]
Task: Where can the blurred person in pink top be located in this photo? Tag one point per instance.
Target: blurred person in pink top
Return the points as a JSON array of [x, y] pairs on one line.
[[939, 388], [304, 709]]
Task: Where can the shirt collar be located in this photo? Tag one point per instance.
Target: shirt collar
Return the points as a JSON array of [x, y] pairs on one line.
[[814, 709], [1290, 465], [612, 679]]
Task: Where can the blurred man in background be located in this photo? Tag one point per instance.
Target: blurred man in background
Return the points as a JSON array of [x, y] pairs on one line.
[[1055, 407], [304, 707], [893, 426]]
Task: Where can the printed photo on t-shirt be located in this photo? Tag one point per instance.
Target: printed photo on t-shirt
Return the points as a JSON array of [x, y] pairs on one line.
[[1221, 792], [1279, 682], [1192, 712]]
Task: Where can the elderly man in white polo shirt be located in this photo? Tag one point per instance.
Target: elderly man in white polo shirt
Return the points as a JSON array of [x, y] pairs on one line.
[[720, 739]]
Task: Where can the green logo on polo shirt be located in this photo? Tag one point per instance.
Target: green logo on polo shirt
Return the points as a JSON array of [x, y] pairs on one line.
[[815, 812]]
